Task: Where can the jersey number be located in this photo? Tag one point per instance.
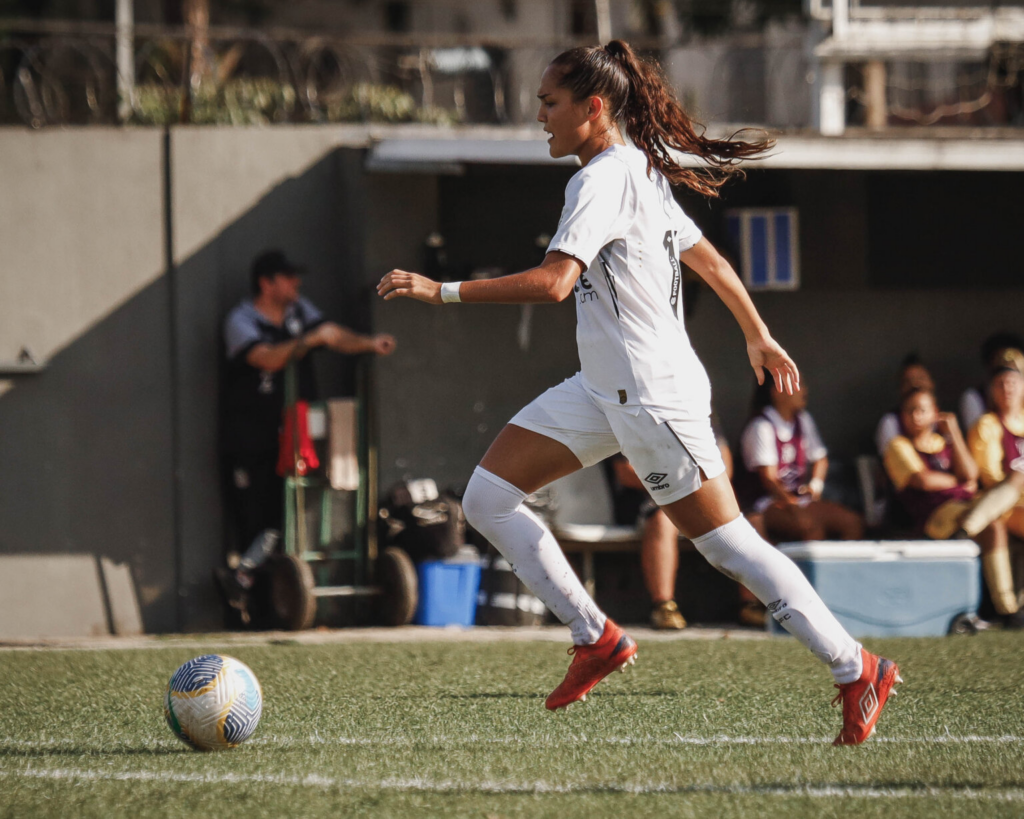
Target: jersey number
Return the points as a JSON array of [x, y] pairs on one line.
[[673, 259]]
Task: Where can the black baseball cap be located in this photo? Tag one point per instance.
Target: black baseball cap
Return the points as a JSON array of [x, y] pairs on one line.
[[269, 264]]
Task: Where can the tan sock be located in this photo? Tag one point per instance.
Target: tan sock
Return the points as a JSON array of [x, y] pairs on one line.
[[990, 505], [999, 578]]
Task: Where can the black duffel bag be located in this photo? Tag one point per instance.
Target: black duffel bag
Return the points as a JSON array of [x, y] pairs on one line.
[[428, 530]]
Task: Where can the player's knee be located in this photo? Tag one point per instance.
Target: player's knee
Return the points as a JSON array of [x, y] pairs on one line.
[[474, 503], [485, 503]]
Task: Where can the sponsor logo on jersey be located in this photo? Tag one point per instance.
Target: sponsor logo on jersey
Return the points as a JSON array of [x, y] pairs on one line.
[[657, 478], [585, 290]]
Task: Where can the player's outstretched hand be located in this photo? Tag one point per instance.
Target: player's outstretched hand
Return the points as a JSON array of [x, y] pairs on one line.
[[766, 354], [410, 285]]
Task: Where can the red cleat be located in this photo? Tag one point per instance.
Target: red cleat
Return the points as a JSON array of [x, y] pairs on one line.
[[864, 699], [591, 664]]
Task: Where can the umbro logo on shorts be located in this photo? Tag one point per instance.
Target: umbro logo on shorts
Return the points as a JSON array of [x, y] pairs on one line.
[[657, 478]]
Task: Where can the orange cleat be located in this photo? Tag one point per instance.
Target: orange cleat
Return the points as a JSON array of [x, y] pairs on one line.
[[864, 699], [591, 664]]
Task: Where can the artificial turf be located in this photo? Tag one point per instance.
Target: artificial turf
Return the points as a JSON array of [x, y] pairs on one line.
[[699, 728]]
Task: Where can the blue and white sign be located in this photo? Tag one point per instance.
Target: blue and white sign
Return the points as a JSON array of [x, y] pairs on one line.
[[768, 243]]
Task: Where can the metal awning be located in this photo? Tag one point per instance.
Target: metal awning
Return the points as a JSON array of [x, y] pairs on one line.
[[960, 39], [452, 151]]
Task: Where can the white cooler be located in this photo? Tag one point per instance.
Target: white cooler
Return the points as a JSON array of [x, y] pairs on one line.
[[885, 588]]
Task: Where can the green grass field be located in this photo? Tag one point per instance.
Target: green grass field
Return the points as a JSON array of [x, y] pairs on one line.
[[699, 728]]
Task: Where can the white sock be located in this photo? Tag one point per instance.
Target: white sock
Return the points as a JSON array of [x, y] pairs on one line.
[[494, 507], [738, 551]]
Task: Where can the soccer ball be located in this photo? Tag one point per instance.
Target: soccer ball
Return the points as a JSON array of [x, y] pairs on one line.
[[213, 703]]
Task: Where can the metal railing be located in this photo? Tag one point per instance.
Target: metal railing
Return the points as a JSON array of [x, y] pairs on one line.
[[54, 74], [66, 74]]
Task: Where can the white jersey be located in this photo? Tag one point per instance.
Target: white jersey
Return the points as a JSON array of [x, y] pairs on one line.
[[762, 436], [628, 230]]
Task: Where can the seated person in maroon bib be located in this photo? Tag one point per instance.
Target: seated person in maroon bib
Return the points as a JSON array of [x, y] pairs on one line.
[[784, 466], [997, 440], [936, 480]]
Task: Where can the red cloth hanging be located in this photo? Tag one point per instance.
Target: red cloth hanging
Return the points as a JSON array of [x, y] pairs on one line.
[[307, 459]]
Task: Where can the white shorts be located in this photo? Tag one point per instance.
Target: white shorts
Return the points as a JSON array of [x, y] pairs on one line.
[[667, 456]]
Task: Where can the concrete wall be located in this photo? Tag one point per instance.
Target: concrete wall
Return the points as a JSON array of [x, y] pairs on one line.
[[111, 450], [85, 446], [233, 195]]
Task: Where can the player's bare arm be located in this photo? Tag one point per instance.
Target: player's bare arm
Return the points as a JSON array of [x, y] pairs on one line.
[[551, 281], [764, 352]]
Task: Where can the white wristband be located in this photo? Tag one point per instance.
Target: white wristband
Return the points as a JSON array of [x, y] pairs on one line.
[[816, 485], [450, 292]]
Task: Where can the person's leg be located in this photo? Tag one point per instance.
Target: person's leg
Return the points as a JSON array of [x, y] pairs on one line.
[[711, 518], [659, 560], [757, 521], [838, 522], [790, 522], [992, 504], [659, 557], [518, 463], [1015, 523], [996, 567]]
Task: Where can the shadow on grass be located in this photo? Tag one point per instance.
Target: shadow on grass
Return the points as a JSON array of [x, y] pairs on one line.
[[512, 695], [16, 752], [491, 695]]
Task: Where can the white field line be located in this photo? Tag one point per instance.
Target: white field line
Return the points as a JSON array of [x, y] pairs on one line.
[[442, 741], [423, 784]]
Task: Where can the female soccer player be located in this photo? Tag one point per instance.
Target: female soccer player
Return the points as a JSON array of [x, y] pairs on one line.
[[641, 389]]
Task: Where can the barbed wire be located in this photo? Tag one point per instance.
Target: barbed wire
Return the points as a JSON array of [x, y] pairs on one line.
[[249, 76], [63, 74]]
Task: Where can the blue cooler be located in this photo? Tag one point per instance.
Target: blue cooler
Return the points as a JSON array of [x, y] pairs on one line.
[[891, 588], [447, 591]]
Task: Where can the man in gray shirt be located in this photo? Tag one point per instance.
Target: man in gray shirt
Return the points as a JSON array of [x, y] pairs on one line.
[[262, 335]]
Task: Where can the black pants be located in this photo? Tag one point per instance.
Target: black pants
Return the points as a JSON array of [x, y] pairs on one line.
[[255, 495]]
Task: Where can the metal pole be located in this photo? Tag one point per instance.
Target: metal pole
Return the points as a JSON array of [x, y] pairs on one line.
[[832, 100], [124, 21], [840, 19], [832, 105], [874, 91], [604, 20]]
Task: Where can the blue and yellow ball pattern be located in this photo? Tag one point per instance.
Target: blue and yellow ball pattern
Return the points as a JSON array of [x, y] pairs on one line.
[[213, 703]]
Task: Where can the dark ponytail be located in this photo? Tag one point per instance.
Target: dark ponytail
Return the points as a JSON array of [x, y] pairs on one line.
[[638, 97]]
